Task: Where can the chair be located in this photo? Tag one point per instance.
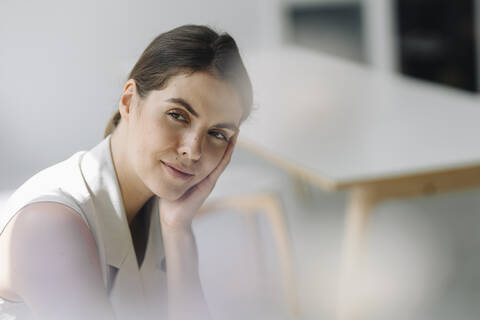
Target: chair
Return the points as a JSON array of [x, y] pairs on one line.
[[260, 199]]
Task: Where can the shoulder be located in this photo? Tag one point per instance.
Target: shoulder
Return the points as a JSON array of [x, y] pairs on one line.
[[48, 221], [57, 184], [56, 262], [49, 238]]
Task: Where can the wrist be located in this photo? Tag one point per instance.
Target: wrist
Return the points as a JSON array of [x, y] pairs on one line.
[[175, 225]]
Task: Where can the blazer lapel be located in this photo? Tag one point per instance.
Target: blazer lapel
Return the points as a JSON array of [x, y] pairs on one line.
[[153, 277], [99, 174], [127, 295], [126, 290]]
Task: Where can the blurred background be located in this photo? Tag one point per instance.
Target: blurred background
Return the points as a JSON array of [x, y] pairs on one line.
[[62, 68]]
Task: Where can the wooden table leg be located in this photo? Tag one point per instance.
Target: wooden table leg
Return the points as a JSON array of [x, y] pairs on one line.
[[361, 204]]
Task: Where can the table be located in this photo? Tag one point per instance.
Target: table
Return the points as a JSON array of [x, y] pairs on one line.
[[345, 126]]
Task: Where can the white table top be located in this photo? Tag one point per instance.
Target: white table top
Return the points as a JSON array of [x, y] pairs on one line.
[[344, 123]]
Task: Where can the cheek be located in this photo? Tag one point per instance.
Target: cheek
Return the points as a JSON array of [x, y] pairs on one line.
[[212, 157], [149, 147], [159, 140]]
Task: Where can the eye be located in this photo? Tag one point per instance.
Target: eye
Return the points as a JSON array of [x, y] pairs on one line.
[[219, 135], [177, 116]]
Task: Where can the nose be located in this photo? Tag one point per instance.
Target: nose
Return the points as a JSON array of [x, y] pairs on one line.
[[191, 147]]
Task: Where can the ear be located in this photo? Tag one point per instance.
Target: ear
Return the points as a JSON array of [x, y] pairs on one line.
[[127, 99]]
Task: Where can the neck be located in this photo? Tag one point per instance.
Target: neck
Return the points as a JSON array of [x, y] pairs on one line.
[[133, 190]]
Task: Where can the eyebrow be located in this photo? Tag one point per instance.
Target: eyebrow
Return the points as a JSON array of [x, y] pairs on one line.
[[230, 126], [187, 106]]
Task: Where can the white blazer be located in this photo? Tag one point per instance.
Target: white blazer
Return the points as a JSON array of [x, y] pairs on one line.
[[87, 183]]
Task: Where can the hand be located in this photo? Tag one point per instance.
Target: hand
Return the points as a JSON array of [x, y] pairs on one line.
[[178, 214]]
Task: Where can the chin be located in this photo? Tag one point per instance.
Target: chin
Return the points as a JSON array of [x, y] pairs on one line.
[[169, 193]]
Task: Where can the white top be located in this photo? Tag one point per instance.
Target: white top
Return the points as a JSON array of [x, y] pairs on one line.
[[346, 123], [87, 183]]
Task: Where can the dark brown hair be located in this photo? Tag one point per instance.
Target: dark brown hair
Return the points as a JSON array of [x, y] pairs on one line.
[[189, 48]]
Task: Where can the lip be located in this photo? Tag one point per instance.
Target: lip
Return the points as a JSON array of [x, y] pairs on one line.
[[175, 171]]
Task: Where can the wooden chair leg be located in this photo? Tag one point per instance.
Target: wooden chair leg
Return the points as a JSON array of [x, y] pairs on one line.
[[274, 211], [270, 205], [253, 226]]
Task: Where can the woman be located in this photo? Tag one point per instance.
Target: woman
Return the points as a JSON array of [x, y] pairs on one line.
[[103, 234]]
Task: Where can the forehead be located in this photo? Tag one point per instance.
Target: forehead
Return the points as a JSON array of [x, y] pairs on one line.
[[209, 96]]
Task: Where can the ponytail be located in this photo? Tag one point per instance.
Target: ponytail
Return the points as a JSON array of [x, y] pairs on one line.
[[112, 124]]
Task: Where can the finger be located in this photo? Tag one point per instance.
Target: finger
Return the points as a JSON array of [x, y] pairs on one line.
[[209, 181], [225, 160]]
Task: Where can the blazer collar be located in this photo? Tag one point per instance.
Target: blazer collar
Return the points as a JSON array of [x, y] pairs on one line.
[[99, 174]]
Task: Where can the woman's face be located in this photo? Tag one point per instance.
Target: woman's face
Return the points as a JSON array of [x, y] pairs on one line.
[[188, 125]]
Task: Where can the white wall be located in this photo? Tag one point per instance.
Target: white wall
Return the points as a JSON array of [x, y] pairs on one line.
[[62, 65]]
